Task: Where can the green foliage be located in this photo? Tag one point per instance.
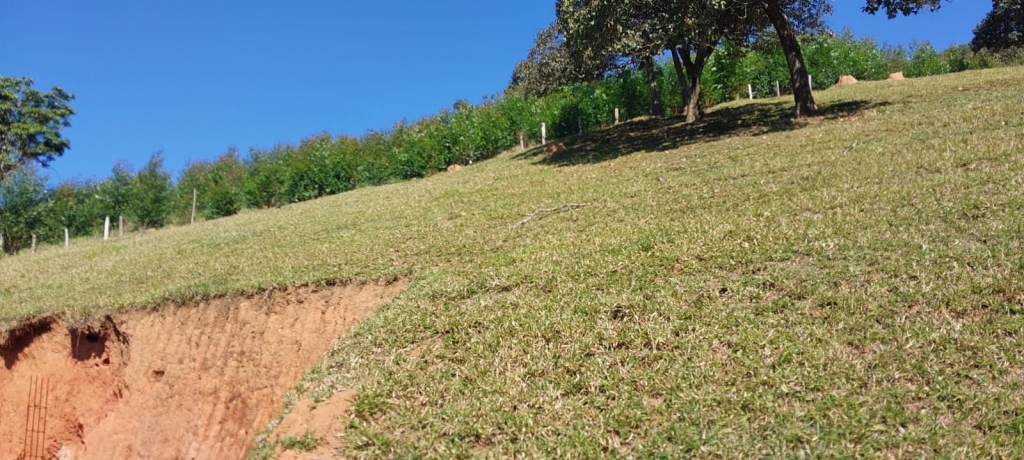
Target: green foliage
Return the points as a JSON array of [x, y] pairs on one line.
[[830, 57], [549, 66], [307, 443], [31, 124], [1002, 28], [152, 194], [925, 61], [115, 193], [22, 207], [72, 205]]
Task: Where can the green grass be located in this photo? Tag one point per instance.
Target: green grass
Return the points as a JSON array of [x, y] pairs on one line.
[[848, 286]]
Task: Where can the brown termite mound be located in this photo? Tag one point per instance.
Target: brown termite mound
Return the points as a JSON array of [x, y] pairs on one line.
[[183, 382]]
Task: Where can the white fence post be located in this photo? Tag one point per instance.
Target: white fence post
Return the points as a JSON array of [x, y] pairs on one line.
[[750, 90], [106, 228], [67, 240], [193, 220], [543, 133], [778, 91], [33, 243], [616, 115], [120, 226]]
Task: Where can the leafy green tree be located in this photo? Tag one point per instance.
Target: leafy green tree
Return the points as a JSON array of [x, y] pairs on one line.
[[152, 194], [549, 65], [31, 124], [925, 61], [194, 176], [72, 205], [115, 193], [226, 178], [22, 207], [1002, 29]]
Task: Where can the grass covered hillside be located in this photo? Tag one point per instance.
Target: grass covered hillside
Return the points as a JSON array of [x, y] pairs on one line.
[[752, 286]]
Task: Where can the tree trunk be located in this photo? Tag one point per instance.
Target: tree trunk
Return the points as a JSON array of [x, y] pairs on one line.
[[652, 83], [798, 77], [695, 62], [681, 75]]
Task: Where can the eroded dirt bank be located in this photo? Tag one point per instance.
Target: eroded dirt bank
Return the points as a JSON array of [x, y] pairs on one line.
[[191, 382]]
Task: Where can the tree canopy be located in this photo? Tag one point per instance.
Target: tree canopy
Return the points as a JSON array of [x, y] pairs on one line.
[[1002, 29], [893, 8], [549, 65], [30, 124]]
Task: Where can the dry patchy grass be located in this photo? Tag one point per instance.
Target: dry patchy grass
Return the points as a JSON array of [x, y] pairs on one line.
[[752, 286]]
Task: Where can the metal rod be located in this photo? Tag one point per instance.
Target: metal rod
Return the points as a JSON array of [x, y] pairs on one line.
[[28, 417], [46, 407]]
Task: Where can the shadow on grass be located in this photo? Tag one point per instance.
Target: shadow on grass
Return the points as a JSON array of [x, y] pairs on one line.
[[656, 135]]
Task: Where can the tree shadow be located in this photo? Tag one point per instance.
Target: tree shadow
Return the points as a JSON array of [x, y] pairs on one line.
[[661, 134]]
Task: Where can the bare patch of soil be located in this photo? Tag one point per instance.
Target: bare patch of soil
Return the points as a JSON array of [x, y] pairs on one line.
[[323, 421], [189, 382]]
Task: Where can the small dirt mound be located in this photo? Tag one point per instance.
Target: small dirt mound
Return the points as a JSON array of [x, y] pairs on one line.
[[898, 76], [847, 80], [323, 421], [192, 382], [554, 149]]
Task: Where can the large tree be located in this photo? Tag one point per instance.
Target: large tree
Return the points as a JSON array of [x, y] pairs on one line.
[[549, 65], [628, 28], [1002, 29], [779, 12], [641, 29], [30, 124]]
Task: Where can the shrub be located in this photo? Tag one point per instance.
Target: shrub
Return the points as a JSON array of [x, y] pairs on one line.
[[22, 207], [925, 61]]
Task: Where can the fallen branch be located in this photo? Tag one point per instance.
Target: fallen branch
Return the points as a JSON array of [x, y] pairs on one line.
[[563, 207]]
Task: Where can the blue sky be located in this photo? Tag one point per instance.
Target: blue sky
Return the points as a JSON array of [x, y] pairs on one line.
[[192, 78]]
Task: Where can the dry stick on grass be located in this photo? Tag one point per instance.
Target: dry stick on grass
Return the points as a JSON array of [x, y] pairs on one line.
[[546, 210]]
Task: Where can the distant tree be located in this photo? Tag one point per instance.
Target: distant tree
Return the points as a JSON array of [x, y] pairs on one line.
[[1002, 29], [73, 205], [152, 194], [227, 176], [115, 193], [925, 61], [22, 206], [31, 123], [549, 65]]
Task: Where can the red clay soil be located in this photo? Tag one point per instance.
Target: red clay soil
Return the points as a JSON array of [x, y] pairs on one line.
[[190, 382]]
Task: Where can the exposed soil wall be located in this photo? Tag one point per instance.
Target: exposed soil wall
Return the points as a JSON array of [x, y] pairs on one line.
[[191, 382]]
